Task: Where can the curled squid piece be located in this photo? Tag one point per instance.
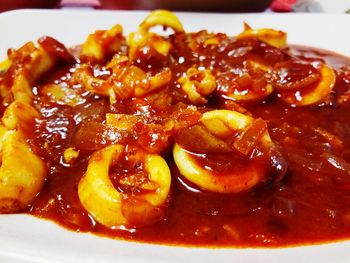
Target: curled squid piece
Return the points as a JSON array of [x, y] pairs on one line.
[[85, 76], [33, 58], [270, 36], [197, 84], [20, 116], [125, 80], [38, 59], [143, 37], [21, 89], [247, 132], [163, 18], [313, 91], [22, 172], [137, 200], [250, 85], [103, 43], [5, 64], [204, 39], [27, 64], [153, 83]]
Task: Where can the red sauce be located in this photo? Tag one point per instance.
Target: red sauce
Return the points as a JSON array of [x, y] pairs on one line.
[[310, 204]]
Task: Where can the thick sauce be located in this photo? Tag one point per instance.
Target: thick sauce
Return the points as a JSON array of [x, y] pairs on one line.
[[310, 204]]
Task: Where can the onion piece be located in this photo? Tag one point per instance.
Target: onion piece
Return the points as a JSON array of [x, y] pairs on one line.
[[198, 139], [92, 135], [246, 142], [340, 166]]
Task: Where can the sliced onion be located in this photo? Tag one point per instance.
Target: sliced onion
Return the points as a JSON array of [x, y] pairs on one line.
[[278, 163], [340, 167], [92, 136], [198, 139], [250, 137]]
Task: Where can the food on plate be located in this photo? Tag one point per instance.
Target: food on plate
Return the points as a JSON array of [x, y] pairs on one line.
[[227, 124], [171, 137], [114, 208]]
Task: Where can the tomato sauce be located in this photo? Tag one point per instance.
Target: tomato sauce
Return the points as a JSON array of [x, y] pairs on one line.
[[309, 203]]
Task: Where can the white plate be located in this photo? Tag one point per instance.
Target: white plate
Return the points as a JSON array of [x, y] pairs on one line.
[[27, 239]]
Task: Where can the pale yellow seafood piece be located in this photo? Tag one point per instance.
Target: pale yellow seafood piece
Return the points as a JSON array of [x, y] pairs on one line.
[[22, 173], [314, 95], [163, 18], [5, 64], [197, 84], [126, 81], [37, 63], [103, 42], [222, 123], [19, 115], [248, 94], [70, 155], [211, 41], [155, 82], [107, 205], [204, 39], [143, 37], [270, 36], [38, 60], [139, 39], [21, 89]]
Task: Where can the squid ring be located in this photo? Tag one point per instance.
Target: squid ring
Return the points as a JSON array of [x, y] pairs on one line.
[[197, 84], [164, 18], [270, 36], [106, 204], [143, 36], [22, 173], [315, 95], [249, 94], [221, 123]]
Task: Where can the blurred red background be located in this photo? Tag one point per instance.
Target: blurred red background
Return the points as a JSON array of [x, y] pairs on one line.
[[188, 5]]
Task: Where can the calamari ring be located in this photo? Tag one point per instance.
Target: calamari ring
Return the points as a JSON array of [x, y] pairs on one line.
[[315, 95], [126, 81], [143, 37], [28, 63], [105, 203], [22, 173], [102, 43], [221, 123], [249, 94], [270, 36], [5, 64], [164, 18], [197, 84]]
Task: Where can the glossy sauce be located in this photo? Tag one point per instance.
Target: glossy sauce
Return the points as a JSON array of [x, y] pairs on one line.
[[309, 205]]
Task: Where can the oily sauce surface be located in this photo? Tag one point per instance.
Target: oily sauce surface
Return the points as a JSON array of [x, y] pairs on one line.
[[311, 204]]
